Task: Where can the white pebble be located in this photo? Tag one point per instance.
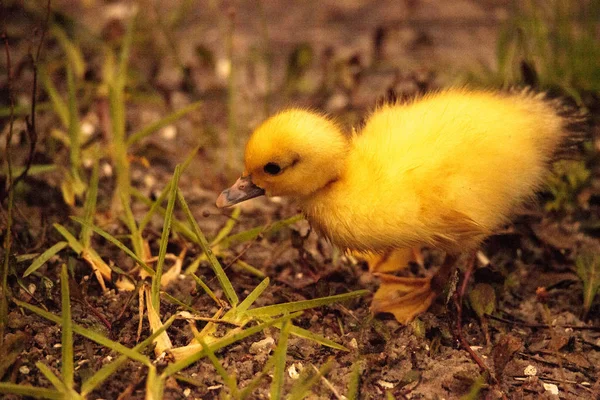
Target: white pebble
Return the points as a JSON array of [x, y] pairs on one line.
[[107, 169], [223, 68], [353, 344], [293, 372], [552, 388], [530, 370], [385, 384], [262, 346], [87, 128], [169, 132]]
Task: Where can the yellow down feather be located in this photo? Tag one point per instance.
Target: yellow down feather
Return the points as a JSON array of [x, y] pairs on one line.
[[444, 170]]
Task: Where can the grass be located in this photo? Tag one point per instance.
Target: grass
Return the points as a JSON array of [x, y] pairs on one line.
[[556, 40], [241, 318]]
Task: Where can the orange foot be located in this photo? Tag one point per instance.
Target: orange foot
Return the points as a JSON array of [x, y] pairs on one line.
[[404, 297]]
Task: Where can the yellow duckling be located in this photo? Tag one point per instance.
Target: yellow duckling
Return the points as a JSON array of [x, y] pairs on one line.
[[442, 171]]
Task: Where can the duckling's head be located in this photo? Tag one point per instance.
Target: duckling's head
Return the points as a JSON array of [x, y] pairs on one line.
[[294, 153]]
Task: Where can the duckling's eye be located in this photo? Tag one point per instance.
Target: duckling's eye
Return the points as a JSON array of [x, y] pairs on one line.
[[272, 168]]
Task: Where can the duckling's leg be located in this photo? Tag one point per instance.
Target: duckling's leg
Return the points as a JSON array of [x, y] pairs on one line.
[[408, 297], [391, 260]]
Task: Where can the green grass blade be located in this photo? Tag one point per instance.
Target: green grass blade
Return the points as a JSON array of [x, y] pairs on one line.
[[244, 266], [87, 333], [216, 266], [247, 391], [279, 358], [228, 379], [67, 368], [251, 234], [354, 384], [58, 104], [36, 169], [116, 242], [74, 129], [307, 380], [73, 53], [176, 301], [155, 384], [73, 242], [169, 119], [253, 296], [226, 230], [206, 289], [164, 240], [103, 373], [278, 309], [45, 256], [54, 380], [30, 391], [238, 313], [155, 206], [89, 208], [322, 340]]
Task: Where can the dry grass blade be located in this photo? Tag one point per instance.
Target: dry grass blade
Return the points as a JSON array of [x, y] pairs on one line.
[[163, 343], [114, 241]]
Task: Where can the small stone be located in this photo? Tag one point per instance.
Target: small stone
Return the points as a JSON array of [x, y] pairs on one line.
[[353, 344], [530, 370], [262, 346], [169, 132], [385, 384], [107, 169], [293, 372], [552, 388], [24, 369], [223, 68]]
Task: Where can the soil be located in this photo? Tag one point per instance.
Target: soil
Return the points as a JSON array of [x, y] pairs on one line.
[[535, 341]]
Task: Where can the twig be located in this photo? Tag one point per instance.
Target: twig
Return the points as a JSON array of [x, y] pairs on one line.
[[458, 299], [569, 365], [10, 192], [29, 121], [542, 326]]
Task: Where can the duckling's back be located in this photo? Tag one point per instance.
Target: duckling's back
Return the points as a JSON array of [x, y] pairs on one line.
[[445, 170]]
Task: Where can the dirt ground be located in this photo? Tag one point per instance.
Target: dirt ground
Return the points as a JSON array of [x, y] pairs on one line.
[[535, 342]]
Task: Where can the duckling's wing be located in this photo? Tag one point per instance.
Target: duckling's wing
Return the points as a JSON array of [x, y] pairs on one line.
[[456, 232]]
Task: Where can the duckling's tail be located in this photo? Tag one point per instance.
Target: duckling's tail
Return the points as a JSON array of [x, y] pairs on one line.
[[575, 123]]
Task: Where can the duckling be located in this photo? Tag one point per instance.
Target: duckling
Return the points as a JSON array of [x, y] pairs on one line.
[[443, 171]]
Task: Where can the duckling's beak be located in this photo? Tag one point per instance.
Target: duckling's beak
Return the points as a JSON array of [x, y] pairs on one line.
[[243, 189]]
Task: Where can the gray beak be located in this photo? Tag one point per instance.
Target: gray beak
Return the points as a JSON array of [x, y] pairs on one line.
[[243, 189]]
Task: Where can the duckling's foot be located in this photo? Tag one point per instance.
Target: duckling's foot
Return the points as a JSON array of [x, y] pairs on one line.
[[404, 297]]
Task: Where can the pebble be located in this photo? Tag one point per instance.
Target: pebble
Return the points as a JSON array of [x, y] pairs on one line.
[[262, 346], [530, 370]]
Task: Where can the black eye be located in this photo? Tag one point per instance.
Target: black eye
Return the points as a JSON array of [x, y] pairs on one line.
[[272, 168]]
